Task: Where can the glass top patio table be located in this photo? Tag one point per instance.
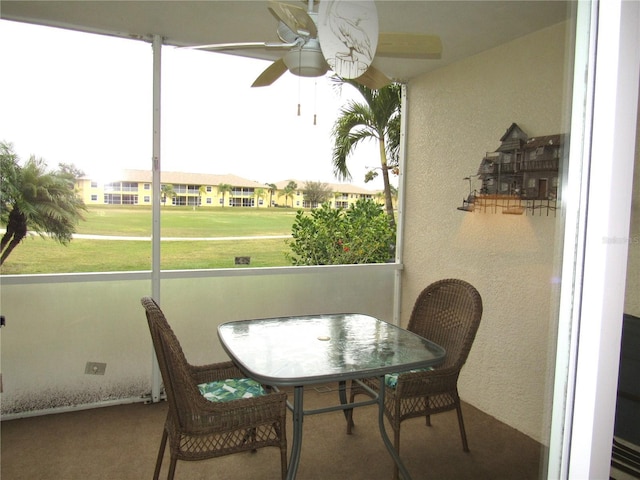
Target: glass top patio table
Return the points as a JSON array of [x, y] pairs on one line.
[[313, 349], [318, 348]]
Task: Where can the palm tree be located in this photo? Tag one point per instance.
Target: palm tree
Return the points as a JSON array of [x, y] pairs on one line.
[[377, 118], [33, 198], [166, 191], [259, 194], [201, 191], [272, 189], [289, 189], [224, 188]]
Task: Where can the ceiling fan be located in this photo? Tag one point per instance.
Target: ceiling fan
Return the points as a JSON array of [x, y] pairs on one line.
[[342, 36]]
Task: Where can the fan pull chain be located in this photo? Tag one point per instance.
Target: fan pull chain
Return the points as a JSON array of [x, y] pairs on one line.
[[315, 102], [299, 79]]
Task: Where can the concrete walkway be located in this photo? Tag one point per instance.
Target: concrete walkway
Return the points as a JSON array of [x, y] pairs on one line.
[[180, 239], [168, 239]]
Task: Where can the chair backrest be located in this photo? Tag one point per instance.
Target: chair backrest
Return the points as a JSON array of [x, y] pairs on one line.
[[178, 384], [448, 312]]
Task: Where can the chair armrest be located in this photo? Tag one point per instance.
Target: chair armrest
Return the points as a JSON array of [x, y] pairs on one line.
[[228, 416], [430, 382], [215, 372]]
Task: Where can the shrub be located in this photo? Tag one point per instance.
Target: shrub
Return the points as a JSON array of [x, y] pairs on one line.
[[327, 236]]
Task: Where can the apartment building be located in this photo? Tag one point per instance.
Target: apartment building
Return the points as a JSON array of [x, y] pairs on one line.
[[133, 187], [343, 195]]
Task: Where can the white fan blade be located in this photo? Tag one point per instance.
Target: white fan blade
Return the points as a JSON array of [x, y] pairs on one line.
[[409, 45], [373, 79], [241, 46], [348, 32], [294, 17], [271, 74]]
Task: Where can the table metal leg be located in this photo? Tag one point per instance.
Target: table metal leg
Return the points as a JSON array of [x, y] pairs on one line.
[[298, 413], [404, 473], [298, 417], [342, 392]]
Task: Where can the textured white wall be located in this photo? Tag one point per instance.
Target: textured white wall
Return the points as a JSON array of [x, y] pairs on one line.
[[455, 115], [57, 323]]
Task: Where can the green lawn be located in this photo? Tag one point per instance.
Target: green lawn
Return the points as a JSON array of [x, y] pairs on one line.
[[187, 222], [37, 255]]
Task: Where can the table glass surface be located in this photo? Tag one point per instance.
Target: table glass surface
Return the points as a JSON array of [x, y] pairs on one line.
[[316, 348]]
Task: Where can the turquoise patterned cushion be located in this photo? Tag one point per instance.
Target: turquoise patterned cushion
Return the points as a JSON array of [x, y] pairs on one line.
[[391, 379], [231, 389]]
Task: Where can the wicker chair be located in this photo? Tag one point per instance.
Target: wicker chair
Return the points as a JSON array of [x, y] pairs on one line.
[[198, 428], [448, 313]]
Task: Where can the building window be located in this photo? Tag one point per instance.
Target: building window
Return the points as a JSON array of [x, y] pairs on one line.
[[94, 184], [241, 202], [147, 186], [94, 198], [242, 192], [129, 187]]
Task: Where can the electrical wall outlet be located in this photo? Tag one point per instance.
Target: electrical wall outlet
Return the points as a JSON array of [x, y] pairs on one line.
[[95, 368]]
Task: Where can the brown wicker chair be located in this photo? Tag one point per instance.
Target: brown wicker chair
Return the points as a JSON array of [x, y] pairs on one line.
[[199, 429], [448, 313]]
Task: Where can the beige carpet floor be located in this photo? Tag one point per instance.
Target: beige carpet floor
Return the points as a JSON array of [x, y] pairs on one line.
[[121, 442]]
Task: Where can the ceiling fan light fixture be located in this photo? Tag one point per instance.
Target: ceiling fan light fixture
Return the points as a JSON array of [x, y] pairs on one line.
[[350, 41], [306, 61]]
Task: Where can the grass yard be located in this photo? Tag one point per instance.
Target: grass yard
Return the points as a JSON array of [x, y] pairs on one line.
[[187, 222], [38, 255]]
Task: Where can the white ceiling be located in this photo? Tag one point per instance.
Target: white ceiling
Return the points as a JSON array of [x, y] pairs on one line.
[[466, 27]]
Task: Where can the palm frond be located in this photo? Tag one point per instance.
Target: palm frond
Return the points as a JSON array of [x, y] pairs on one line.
[[378, 116], [42, 201]]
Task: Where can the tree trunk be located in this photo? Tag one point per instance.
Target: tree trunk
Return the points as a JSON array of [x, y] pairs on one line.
[[387, 186], [16, 231]]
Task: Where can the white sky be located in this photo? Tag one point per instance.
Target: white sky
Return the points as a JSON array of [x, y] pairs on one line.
[[86, 100]]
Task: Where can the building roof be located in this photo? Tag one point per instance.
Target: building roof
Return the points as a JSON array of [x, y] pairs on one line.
[[213, 180], [514, 131], [557, 139], [335, 187], [189, 178], [513, 139]]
